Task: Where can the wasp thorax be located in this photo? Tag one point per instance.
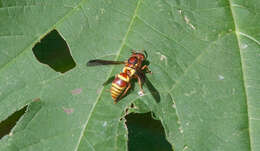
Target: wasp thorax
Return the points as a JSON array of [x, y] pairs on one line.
[[132, 60], [140, 56]]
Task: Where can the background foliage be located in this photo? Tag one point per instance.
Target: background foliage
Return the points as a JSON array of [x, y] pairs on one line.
[[204, 56]]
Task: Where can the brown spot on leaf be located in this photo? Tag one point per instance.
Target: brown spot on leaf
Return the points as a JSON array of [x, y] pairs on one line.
[[68, 110], [36, 99], [76, 91]]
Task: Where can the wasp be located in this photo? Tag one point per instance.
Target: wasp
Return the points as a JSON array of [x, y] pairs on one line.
[[133, 68]]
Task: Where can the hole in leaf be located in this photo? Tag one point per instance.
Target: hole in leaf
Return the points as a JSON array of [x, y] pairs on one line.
[[145, 133], [54, 51], [7, 125], [132, 105]]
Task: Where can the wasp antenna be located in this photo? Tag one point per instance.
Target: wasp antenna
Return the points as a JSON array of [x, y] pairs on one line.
[[133, 51], [145, 54]]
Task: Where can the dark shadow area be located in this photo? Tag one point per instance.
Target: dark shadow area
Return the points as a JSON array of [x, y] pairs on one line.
[[145, 133], [54, 51], [109, 81], [7, 125], [154, 92]]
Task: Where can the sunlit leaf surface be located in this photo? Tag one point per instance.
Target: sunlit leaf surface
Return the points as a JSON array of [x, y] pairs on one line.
[[204, 56]]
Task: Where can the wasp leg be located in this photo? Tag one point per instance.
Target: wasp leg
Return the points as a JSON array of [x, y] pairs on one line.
[[124, 93], [140, 83], [147, 69]]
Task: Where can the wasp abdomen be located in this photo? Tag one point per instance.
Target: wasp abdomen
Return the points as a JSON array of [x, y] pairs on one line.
[[119, 84]]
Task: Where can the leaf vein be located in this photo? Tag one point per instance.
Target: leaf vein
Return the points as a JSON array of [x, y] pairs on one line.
[[242, 68], [116, 58]]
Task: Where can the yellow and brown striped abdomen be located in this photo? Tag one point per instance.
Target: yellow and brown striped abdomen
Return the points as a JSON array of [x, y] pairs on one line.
[[118, 85]]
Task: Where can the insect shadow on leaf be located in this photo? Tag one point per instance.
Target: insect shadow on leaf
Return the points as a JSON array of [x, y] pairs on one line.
[[109, 80], [154, 92]]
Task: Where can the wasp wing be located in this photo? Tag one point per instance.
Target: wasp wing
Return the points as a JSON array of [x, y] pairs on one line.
[[98, 62]]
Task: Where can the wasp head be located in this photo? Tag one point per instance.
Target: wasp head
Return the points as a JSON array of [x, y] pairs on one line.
[[136, 59]]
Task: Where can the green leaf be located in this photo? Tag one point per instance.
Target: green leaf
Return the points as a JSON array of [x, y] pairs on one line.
[[204, 56]]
